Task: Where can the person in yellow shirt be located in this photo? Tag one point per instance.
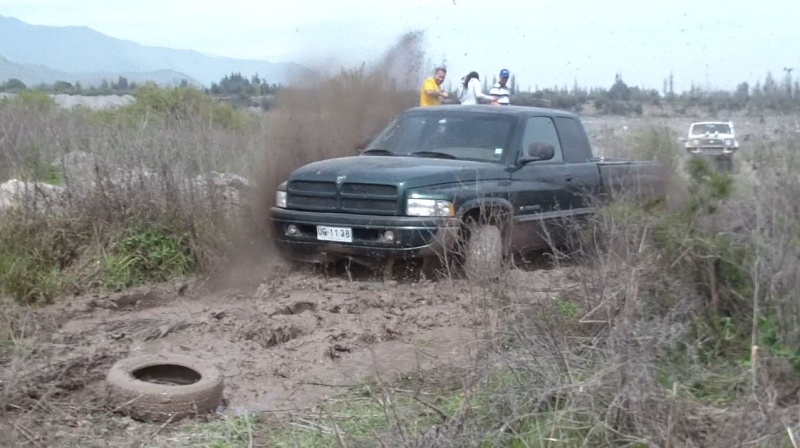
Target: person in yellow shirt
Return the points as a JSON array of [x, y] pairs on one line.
[[432, 92]]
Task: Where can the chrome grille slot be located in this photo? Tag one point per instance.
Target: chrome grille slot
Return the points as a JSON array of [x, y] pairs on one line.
[[369, 206], [301, 186], [371, 190]]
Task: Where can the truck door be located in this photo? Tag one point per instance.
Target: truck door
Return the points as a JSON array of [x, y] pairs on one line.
[[583, 179], [539, 188]]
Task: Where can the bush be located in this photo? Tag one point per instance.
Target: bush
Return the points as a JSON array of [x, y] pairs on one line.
[[137, 199]]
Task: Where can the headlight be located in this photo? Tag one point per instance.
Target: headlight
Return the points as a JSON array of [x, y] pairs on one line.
[[429, 207], [728, 142], [280, 199], [695, 142], [280, 196]]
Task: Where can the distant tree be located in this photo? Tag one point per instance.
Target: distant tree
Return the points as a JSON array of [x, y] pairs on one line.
[[121, 84], [619, 90], [743, 91], [62, 87], [671, 84], [787, 81], [15, 85], [770, 86]]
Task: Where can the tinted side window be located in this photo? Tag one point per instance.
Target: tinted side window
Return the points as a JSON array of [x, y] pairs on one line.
[[542, 129], [575, 142]]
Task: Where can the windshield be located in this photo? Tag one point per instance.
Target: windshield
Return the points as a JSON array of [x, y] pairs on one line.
[[464, 136], [710, 128]]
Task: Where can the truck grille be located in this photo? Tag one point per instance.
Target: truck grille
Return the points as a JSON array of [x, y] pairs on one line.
[[373, 199], [711, 141]]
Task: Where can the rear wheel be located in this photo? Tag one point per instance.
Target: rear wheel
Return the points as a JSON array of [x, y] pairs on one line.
[[726, 164]]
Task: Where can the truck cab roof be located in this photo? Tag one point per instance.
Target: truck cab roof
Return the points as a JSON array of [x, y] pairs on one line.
[[501, 110]]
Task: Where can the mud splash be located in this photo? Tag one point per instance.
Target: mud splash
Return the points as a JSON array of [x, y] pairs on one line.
[[320, 119]]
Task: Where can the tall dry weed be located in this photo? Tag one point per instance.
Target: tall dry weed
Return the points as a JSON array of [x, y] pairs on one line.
[[90, 180]]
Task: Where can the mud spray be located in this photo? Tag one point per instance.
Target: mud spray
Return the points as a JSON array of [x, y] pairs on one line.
[[316, 119]]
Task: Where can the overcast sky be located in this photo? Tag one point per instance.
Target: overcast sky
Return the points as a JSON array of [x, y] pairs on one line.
[[544, 42]]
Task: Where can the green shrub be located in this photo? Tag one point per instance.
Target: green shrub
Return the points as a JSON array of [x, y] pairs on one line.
[[147, 254], [33, 252]]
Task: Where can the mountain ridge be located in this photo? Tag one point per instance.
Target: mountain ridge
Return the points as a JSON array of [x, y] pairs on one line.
[[35, 74], [81, 50]]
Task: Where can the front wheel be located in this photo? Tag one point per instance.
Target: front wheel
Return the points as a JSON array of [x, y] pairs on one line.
[[484, 252], [725, 164]]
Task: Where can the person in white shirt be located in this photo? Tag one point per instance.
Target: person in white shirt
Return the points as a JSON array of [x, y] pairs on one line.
[[470, 91], [500, 89]]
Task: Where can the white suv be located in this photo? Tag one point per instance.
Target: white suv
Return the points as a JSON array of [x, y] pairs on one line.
[[715, 139]]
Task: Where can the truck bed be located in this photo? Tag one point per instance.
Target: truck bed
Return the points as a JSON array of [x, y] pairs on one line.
[[632, 179]]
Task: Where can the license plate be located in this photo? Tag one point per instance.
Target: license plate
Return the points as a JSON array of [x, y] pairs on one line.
[[338, 234]]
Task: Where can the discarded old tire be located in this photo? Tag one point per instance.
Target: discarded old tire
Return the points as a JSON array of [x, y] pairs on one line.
[[163, 387]]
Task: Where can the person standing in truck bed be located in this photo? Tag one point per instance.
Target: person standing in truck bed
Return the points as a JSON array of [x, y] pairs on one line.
[[471, 91], [500, 89], [432, 92]]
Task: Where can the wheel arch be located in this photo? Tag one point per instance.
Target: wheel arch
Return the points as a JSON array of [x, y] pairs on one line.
[[491, 210]]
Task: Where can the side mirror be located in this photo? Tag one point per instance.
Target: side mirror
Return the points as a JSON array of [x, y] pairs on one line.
[[539, 151]]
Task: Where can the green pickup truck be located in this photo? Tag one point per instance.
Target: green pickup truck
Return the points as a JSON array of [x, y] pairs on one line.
[[479, 182]]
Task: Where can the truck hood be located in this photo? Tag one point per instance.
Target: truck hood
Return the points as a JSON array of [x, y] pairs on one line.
[[409, 172]]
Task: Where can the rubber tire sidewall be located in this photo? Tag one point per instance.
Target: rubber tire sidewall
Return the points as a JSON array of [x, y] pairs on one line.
[[146, 401]]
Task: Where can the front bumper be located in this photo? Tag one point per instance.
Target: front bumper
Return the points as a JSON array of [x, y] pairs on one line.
[[413, 237], [712, 151]]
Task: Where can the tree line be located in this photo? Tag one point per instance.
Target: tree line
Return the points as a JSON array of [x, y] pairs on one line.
[[230, 85], [770, 94]]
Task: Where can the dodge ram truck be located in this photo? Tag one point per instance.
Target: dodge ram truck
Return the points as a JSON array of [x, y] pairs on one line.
[[481, 178]]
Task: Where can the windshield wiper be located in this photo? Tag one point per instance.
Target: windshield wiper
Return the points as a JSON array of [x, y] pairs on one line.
[[440, 155], [382, 152]]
